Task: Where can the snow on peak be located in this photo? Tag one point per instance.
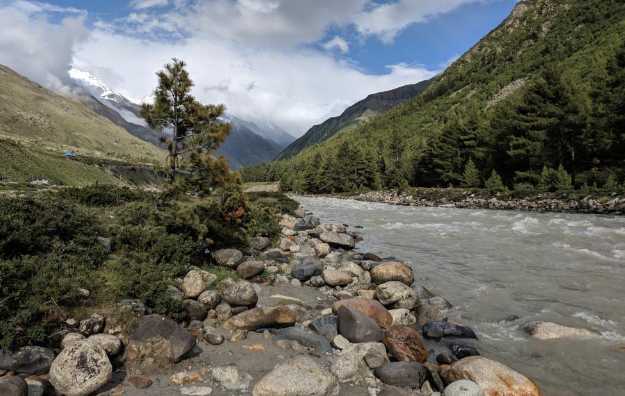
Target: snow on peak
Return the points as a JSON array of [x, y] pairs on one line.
[[91, 82]]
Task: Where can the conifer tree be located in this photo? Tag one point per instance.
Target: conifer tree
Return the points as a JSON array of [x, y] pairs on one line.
[[495, 183], [471, 175]]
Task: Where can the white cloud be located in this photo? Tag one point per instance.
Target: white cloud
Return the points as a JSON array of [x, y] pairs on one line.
[[143, 4], [338, 43]]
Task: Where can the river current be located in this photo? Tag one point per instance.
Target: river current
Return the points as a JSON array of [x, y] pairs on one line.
[[491, 265]]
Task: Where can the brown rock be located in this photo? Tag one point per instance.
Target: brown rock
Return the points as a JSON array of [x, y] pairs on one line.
[[370, 308], [404, 343], [140, 381], [336, 278], [494, 378], [250, 268], [392, 271], [253, 319]]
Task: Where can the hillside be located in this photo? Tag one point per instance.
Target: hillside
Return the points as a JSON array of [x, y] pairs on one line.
[[38, 117], [354, 115], [244, 147], [544, 90]]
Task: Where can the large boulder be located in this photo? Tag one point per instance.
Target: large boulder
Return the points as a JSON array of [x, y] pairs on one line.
[[307, 268], [494, 378], [13, 386], [230, 258], [344, 241], [392, 271], [157, 342], [463, 388], [404, 344], [196, 281], [335, 278], [240, 293], [396, 294], [80, 369], [554, 331], [256, 318], [368, 307], [357, 327], [301, 376], [27, 360], [250, 268], [404, 374]]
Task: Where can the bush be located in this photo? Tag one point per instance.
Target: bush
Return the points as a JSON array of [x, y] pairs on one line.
[[553, 180], [524, 188], [102, 195], [494, 184]]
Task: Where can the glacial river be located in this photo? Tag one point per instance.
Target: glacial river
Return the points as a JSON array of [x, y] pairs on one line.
[[563, 268]]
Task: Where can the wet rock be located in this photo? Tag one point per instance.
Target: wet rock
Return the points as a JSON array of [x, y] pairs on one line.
[[404, 344], [80, 369], [445, 358], [404, 374], [461, 351], [230, 258], [438, 330], [403, 317], [157, 342], [340, 240], [196, 281], [70, 338], [283, 315], [368, 307], [27, 360], [224, 311], [301, 376], [13, 386], [357, 327], [371, 257], [397, 295], [335, 278], [304, 337], [196, 390], [432, 309], [307, 268], [463, 388], [326, 326], [554, 331], [493, 377], [250, 268], [260, 243], [231, 379], [111, 344], [392, 271], [195, 310], [92, 325], [140, 381], [210, 299], [238, 292]]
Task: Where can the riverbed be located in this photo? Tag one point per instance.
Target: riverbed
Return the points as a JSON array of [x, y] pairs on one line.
[[502, 269]]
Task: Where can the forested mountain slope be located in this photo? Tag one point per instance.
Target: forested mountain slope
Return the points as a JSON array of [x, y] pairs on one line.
[[544, 90]]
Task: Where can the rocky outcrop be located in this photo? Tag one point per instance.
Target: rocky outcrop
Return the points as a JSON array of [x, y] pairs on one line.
[[301, 376], [80, 369]]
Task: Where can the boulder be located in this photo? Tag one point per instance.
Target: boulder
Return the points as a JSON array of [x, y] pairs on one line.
[[289, 245], [13, 386], [111, 344], [196, 281], [283, 315], [432, 309], [368, 307], [404, 344], [250, 268], [340, 240], [240, 292], [335, 278], [322, 249], [357, 327], [210, 299], [71, 337], [304, 337], [80, 369], [307, 223], [403, 317], [288, 221], [326, 326], [223, 311], [228, 257], [195, 310], [494, 378], [157, 342], [554, 331], [260, 243], [461, 351], [92, 325], [300, 376], [392, 271], [27, 360], [438, 330], [275, 254], [307, 268], [397, 295], [403, 374], [212, 335], [299, 212], [463, 388]]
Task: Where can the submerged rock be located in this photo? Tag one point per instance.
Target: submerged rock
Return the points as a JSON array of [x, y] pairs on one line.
[[553, 331], [80, 369], [438, 330], [301, 376]]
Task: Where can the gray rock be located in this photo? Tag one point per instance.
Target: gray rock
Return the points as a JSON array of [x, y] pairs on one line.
[[92, 325], [70, 338], [195, 310], [341, 240], [231, 379], [437, 330], [224, 311], [403, 317], [13, 386], [196, 390], [240, 292], [326, 326], [304, 337], [27, 360], [463, 388], [80, 369], [250, 268], [211, 335], [316, 281], [210, 298], [155, 328], [301, 376], [432, 309], [196, 281], [461, 351], [132, 305], [111, 344], [404, 374], [260, 243], [357, 327], [230, 258], [396, 294], [307, 223], [307, 268]]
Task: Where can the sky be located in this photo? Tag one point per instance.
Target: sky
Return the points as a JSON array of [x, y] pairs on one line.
[[293, 63]]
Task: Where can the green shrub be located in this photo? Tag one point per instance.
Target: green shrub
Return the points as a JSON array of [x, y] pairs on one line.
[[471, 175], [494, 183], [553, 180], [102, 195]]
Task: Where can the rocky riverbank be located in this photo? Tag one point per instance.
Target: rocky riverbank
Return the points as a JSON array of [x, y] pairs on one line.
[[309, 317], [465, 199]]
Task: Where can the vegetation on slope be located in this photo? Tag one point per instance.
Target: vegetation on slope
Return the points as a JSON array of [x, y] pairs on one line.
[[538, 103]]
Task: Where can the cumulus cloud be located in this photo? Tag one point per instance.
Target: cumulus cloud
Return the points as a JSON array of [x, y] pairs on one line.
[[338, 43]]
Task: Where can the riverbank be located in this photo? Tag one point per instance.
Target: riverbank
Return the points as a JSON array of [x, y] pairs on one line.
[[309, 315], [466, 199]]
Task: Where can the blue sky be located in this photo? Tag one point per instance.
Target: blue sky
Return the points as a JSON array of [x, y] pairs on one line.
[[291, 62]]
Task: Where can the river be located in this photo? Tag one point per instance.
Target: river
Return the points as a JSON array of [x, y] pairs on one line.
[[563, 268]]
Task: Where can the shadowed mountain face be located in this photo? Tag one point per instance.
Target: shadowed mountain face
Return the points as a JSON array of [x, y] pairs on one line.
[[354, 116], [243, 147]]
